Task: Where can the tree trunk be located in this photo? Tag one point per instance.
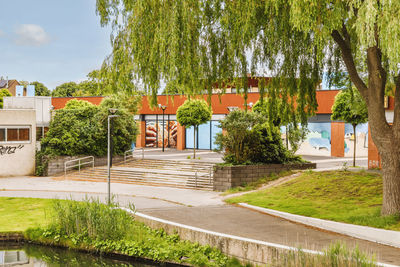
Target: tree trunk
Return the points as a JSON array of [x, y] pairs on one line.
[[355, 145], [194, 142], [391, 181]]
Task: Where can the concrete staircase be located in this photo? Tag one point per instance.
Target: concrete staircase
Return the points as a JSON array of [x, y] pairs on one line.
[[180, 174]]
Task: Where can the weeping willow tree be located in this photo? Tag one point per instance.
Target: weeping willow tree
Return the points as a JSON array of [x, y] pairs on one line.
[[201, 43]]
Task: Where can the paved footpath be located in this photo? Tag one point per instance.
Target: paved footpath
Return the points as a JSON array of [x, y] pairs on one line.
[[196, 208]]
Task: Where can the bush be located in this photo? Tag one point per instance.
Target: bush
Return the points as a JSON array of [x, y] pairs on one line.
[[81, 129], [250, 139]]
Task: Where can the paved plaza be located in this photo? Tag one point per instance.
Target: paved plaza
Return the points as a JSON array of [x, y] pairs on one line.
[[202, 209]]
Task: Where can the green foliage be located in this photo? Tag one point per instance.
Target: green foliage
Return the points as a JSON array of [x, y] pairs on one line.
[[249, 139], [65, 89], [350, 107], [3, 92], [40, 89], [276, 112], [96, 227], [343, 196], [81, 129], [78, 104], [90, 218], [336, 255], [193, 113], [173, 88]]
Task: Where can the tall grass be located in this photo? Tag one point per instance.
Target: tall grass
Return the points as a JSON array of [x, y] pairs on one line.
[[91, 218], [337, 255]]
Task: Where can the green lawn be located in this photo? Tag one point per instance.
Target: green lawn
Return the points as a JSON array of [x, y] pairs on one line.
[[352, 197], [18, 214]]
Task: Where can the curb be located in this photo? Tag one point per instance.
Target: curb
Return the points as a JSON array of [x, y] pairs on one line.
[[381, 236]]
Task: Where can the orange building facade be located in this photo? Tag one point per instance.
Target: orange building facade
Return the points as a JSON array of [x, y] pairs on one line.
[[326, 137]]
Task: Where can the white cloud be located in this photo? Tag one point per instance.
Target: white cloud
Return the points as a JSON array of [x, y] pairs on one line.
[[31, 35]]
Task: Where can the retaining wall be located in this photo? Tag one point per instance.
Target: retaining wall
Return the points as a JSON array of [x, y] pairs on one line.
[[56, 165], [245, 249], [226, 177]]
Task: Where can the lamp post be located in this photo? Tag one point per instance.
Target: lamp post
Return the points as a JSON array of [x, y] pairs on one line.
[[112, 111], [163, 128]]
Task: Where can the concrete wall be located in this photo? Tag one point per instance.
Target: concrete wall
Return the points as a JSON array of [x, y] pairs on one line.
[[246, 250], [226, 177], [18, 158], [56, 165]]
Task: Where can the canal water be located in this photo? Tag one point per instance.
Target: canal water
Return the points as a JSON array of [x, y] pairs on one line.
[[44, 256]]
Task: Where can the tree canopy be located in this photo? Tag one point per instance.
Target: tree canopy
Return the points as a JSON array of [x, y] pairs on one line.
[[3, 92], [65, 89], [40, 89], [350, 107], [199, 43]]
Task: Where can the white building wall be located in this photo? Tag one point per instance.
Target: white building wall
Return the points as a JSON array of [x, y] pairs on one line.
[[17, 158], [42, 105]]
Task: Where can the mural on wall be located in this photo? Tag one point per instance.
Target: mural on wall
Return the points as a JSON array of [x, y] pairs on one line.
[[154, 133], [362, 140], [318, 140], [7, 150]]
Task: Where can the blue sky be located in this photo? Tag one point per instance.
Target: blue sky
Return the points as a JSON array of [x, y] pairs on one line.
[[51, 41]]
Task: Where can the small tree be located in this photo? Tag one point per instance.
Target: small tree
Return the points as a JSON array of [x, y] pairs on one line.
[[193, 113], [3, 93], [351, 108]]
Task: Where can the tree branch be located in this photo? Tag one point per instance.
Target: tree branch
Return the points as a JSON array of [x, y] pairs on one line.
[[350, 65]]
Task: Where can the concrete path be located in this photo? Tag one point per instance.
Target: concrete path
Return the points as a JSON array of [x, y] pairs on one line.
[[196, 208], [323, 162]]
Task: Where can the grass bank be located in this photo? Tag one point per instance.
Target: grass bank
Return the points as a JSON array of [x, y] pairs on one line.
[[343, 196], [18, 214]]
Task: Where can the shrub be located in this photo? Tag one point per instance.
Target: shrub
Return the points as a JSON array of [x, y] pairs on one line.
[[81, 129], [250, 139]]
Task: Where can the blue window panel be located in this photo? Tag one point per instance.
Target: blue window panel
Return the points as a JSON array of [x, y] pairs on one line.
[[214, 130], [189, 137], [204, 136]]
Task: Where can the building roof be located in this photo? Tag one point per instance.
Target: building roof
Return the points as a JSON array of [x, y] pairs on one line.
[[3, 83]]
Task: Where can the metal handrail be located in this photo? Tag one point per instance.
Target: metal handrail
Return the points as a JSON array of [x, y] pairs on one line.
[[209, 175], [126, 153], [79, 163]]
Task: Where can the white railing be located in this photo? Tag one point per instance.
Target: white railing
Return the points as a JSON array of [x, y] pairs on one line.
[[208, 175], [79, 164], [130, 153]]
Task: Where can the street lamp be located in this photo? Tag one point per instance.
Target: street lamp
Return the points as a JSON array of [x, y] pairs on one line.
[[163, 111], [112, 111]]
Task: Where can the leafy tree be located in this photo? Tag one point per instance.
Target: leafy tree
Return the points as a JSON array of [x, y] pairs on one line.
[[40, 89], [65, 89], [296, 40], [193, 113], [173, 88], [3, 92], [81, 129], [351, 108]]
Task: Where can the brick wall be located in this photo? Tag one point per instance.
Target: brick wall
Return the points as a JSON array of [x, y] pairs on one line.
[[226, 177]]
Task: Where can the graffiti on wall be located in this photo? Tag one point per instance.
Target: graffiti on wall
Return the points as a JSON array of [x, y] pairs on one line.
[[7, 150], [154, 133]]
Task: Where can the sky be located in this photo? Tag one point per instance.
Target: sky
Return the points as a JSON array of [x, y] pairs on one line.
[[51, 41]]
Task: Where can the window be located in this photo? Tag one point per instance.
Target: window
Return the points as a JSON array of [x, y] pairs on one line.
[[14, 134]]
